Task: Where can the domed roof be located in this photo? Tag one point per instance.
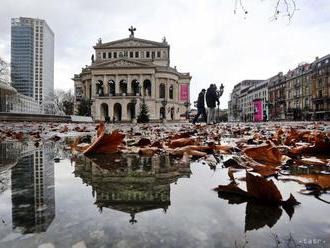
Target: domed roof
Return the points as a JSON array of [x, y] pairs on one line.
[[7, 87]]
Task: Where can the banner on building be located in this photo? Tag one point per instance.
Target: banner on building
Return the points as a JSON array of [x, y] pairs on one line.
[[184, 92], [258, 111]]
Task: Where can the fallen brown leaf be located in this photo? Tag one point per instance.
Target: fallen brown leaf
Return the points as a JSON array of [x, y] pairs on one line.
[[268, 154], [106, 143]]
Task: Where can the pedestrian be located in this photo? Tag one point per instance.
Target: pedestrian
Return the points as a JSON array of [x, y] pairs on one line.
[[200, 107], [211, 100]]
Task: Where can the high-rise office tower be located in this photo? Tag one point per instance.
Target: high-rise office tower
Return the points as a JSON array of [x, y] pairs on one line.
[[32, 58], [32, 191]]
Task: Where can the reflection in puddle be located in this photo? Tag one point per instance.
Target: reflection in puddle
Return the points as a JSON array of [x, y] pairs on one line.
[[257, 215], [130, 183], [32, 186], [131, 187]]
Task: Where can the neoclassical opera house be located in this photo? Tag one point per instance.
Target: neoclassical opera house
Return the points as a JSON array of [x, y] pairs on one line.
[[126, 72]]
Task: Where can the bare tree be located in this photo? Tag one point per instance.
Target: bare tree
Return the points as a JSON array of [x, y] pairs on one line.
[[64, 102], [282, 8], [4, 71]]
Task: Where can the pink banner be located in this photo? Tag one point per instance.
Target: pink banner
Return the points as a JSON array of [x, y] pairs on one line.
[[184, 92], [258, 112]]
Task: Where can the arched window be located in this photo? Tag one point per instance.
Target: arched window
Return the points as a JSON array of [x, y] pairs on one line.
[[117, 112], [99, 88], [112, 88], [135, 85], [162, 113], [147, 87], [123, 87], [104, 112], [170, 92], [162, 91]]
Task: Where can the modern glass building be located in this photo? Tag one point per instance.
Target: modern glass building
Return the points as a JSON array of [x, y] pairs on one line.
[[32, 59]]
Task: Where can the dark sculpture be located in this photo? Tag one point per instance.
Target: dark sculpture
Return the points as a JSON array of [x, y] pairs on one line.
[[132, 29]]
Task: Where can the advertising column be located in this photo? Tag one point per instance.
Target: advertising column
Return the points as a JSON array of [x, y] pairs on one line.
[[258, 111]]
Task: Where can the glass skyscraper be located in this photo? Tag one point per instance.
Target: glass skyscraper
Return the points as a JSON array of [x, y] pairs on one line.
[[32, 58]]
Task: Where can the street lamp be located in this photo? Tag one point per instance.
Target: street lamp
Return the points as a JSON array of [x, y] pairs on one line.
[[219, 94]]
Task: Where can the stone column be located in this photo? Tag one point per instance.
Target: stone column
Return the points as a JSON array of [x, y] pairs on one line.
[[93, 87], [87, 89], [105, 85], [124, 116], [166, 89], [129, 85], [117, 84], [141, 85], [153, 86], [137, 109]]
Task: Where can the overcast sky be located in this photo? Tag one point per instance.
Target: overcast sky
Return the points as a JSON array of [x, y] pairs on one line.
[[207, 39]]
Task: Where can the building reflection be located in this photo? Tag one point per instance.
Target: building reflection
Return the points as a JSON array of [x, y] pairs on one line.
[[11, 152], [33, 192], [130, 183]]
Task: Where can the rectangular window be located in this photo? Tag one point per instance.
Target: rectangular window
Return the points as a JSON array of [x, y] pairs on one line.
[[136, 54], [131, 54], [153, 55], [104, 55], [148, 54], [158, 54], [109, 55], [115, 55]]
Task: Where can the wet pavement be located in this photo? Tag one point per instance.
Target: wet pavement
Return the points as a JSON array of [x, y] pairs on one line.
[[132, 201]]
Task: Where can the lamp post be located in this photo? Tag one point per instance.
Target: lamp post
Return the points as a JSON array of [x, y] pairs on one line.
[[219, 94]]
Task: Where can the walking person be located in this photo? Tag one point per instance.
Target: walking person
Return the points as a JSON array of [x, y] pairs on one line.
[[200, 107], [211, 101]]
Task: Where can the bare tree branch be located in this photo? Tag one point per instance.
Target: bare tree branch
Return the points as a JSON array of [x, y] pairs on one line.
[[4, 71], [285, 8]]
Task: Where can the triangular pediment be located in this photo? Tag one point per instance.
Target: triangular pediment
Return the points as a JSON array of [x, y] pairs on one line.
[[125, 63], [131, 42]]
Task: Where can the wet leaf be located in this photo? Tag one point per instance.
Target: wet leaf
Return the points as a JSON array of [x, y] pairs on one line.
[[265, 170], [19, 136], [314, 182], [181, 142], [64, 129], [143, 142], [258, 188], [106, 143], [232, 188], [321, 146], [234, 162], [261, 188], [148, 151], [268, 154]]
